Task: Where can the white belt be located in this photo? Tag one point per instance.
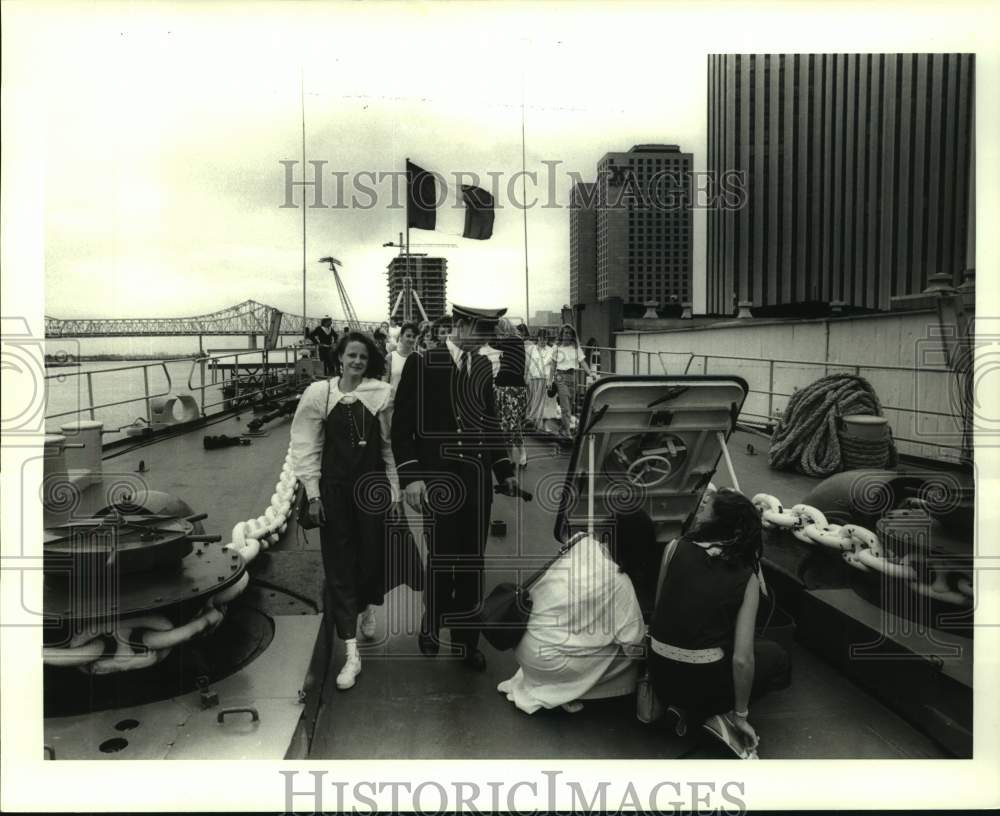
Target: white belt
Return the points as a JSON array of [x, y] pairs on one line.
[[713, 655]]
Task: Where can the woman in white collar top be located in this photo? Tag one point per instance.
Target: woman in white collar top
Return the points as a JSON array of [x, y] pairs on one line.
[[396, 359], [342, 455], [567, 359]]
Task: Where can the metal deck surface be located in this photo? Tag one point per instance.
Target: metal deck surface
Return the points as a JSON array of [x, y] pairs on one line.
[[407, 706]]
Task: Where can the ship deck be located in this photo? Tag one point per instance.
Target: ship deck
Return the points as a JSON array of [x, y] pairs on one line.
[[407, 706]]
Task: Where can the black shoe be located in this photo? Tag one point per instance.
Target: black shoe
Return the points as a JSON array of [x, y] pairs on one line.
[[427, 640], [474, 659]]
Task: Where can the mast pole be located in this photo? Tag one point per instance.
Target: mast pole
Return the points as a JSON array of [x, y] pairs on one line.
[[524, 206], [302, 99], [406, 273]]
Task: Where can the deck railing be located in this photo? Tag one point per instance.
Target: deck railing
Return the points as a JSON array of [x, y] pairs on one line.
[[246, 387], [252, 377], [88, 379], [766, 378]]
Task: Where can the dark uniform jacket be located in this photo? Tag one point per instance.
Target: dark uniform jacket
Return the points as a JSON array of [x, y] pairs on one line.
[[442, 418]]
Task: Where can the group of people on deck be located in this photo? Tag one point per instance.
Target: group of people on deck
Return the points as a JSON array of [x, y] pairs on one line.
[[431, 417]]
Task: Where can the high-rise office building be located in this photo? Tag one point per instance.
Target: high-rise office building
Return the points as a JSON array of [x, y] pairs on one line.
[[582, 244], [429, 278], [857, 173], [644, 225]]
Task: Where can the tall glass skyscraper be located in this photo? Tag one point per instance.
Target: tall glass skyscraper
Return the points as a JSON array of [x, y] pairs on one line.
[[858, 177]]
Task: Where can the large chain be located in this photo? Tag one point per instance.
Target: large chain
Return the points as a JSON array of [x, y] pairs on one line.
[[144, 640], [861, 548]]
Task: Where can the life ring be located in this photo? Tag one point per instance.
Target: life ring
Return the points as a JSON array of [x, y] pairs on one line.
[[885, 566]]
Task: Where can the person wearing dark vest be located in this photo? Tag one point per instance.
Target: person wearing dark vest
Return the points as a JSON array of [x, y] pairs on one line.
[[704, 660], [341, 454], [325, 338], [447, 442]]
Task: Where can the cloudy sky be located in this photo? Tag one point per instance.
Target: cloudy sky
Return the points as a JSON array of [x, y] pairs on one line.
[[164, 127]]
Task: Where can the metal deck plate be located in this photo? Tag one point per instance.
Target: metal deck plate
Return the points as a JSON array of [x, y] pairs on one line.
[[180, 729], [81, 596]]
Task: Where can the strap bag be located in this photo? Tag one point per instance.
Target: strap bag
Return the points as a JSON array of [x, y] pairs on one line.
[[648, 707], [302, 516], [505, 611]]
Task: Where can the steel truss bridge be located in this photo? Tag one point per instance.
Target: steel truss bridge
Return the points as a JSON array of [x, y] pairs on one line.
[[248, 318]]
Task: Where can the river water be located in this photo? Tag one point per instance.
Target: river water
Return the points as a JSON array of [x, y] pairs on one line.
[[68, 392]]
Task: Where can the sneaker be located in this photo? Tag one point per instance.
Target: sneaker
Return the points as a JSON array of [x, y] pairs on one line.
[[367, 623], [350, 671], [719, 727]]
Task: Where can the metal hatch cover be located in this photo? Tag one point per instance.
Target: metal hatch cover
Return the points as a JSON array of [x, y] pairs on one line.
[[656, 447]]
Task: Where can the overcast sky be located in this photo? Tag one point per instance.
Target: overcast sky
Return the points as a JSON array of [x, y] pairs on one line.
[[166, 126]]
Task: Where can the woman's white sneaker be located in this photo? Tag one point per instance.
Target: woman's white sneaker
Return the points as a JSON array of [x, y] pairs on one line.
[[367, 623], [351, 668]]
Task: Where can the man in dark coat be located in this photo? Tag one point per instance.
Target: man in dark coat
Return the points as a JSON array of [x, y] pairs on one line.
[[446, 441], [325, 338]]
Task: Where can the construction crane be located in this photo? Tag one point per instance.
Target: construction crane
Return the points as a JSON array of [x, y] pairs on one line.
[[345, 300]]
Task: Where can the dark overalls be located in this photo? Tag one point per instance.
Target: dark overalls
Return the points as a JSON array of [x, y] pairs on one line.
[[356, 495]]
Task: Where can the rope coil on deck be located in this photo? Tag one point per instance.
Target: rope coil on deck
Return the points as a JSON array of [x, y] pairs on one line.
[[144, 640], [861, 549], [807, 438]]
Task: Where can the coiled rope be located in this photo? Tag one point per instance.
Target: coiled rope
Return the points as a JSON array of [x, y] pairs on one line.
[[144, 640], [807, 438]]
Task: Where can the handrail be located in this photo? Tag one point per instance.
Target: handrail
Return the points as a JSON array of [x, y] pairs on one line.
[[146, 396], [236, 380], [92, 409], [621, 357]]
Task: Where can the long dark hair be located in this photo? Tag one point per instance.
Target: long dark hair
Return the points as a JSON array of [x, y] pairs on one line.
[[634, 548], [734, 525], [376, 361]]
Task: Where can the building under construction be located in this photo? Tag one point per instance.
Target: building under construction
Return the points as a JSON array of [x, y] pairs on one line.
[[428, 281]]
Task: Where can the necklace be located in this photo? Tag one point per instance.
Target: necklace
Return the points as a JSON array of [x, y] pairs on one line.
[[354, 425]]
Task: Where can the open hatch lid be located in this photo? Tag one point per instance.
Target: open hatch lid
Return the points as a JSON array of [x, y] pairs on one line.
[[656, 446]]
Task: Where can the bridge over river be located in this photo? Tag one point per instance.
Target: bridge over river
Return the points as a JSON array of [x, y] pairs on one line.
[[249, 318]]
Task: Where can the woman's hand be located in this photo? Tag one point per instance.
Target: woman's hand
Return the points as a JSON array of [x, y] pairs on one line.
[[316, 513], [416, 495], [742, 725]]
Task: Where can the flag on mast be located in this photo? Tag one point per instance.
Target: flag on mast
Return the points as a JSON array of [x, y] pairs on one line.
[[421, 198], [422, 203], [479, 213]]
